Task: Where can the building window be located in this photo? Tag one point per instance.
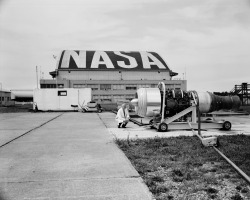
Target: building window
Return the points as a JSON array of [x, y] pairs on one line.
[[62, 93], [78, 85], [105, 86], [130, 97], [48, 85], [143, 86], [93, 86], [95, 98], [118, 98], [60, 85], [118, 87], [131, 87], [105, 98]]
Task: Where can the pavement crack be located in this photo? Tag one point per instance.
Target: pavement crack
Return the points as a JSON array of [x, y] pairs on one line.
[[39, 126]]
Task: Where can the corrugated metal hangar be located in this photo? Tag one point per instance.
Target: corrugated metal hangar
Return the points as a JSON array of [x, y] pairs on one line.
[[113, 75]]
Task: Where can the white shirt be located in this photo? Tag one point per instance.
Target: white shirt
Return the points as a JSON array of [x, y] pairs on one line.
[[122, 115]]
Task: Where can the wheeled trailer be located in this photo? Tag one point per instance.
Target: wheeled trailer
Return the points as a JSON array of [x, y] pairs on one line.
[[163, 124]]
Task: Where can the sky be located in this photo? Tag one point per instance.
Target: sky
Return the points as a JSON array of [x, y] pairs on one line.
[[206, 42]]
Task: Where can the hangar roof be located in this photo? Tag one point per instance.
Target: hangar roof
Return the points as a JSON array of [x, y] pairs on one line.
[[81, 60]]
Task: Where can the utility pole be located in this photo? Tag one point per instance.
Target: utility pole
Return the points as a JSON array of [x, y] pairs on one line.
[[56, 79], [36, 78], [185, 74]]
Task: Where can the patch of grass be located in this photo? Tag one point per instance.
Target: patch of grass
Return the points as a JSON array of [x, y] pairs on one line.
[[237, 149], [211, 190], [236, 197], [181, 166], [158, 189], [211, 180]]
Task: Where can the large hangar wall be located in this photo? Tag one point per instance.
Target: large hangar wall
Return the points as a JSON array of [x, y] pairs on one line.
[[113, 75]]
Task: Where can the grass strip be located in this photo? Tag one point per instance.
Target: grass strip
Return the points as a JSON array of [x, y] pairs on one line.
[[181, 168]]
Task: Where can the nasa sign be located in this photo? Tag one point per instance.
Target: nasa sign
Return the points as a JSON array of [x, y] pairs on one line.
[[111, 60]]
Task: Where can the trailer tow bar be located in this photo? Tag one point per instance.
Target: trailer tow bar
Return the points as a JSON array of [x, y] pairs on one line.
[[243, 174]]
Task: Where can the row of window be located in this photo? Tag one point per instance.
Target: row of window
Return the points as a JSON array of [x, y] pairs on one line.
[[114, 86], [103, 98], [109, 86], [5, 98], [52, 85], [113, 98]]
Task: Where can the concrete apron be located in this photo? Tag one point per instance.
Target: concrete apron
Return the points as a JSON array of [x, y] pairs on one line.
[[240, 125], [71, 157]]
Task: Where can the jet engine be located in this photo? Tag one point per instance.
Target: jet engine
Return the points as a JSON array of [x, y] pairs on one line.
[[166, 103]]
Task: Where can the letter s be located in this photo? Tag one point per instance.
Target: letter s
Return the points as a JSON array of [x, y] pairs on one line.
[[122, 64]]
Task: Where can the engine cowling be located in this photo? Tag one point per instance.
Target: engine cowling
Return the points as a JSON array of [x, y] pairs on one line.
[[148, 101]]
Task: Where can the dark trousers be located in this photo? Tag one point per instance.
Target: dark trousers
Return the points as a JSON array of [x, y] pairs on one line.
[[122, 124]]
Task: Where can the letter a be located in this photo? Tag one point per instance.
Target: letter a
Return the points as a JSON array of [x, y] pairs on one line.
[[147, 63]]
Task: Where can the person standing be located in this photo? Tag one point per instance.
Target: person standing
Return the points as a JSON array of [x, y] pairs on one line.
[[122, 116]]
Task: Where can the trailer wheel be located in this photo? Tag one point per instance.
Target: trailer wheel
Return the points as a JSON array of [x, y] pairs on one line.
[[163, 127], [227, 125]]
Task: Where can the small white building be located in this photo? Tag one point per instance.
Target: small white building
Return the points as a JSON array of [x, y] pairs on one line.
[[5, 98], [61, 99]]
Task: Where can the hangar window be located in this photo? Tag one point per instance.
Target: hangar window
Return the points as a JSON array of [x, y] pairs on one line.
[[170, 86], [95, 98], [118, 98], [93, 86], [60, 85], [106, 98], [62, 93], [105, 86], [78, 85], [118, 87], [48, 85], [131, 87], [143, 86], [130, 97]]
